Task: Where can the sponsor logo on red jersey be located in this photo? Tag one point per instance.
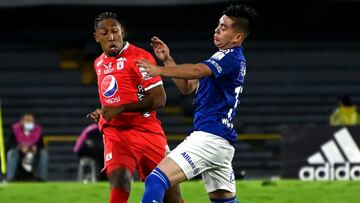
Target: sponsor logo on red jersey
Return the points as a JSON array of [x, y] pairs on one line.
[[109, 86]]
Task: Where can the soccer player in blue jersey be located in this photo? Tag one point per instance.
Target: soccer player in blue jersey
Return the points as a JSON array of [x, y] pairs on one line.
[[218, 83]]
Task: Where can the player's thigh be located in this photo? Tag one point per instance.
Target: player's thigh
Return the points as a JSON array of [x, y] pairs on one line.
[[172, 170], [118, 153], [153, 149], [200, 152], [190, 157], [220, 181]]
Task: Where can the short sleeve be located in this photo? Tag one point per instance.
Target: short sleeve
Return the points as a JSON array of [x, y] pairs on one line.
[[149, 82], [220, 63]]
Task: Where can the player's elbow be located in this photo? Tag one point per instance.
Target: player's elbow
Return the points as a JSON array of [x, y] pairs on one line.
[[159, 102], [189, 87], [197, 72], [157, 96], [186, 91], [200, 70]]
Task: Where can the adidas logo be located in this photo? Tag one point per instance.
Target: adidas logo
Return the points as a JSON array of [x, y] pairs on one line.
[[339, 159]]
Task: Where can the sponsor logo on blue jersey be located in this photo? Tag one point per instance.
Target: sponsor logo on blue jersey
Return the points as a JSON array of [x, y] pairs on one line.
[[109, 86], [217, 66], [218, 55]]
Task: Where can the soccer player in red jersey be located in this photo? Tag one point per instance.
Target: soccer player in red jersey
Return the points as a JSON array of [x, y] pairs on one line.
[[133, 137]]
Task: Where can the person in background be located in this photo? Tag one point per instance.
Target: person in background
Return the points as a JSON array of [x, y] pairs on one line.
[[90, 145], [26, 147], [346, 113]]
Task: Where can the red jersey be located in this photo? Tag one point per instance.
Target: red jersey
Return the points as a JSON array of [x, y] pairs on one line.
[[121, 81]]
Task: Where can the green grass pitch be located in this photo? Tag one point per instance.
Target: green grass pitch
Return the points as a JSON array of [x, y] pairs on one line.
[[290, 191]]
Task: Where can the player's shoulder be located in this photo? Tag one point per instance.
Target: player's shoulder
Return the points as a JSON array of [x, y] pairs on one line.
[[138, 50], [98, 60], [231, 53]]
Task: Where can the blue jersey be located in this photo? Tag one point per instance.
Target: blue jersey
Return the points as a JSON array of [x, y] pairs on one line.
[[217, 96]]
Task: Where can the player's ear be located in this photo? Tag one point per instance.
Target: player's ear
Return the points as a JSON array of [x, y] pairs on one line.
[[239, 37], [122, 31], [96, 37]]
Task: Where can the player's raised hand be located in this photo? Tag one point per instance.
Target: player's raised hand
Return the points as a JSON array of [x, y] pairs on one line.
[[95, 115], [151, 69], [108, 112], [161, 50]]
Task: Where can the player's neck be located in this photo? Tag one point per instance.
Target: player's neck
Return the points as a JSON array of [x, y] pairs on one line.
[[230, 46], [123, 47]]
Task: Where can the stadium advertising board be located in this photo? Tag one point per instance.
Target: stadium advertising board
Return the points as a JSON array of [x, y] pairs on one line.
[[321, 153]]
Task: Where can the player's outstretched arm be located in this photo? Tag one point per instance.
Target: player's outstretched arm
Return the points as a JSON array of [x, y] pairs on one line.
[[182, 71], [162, 52]]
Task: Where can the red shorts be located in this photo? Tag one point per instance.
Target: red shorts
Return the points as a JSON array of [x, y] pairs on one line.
[[133, 149]]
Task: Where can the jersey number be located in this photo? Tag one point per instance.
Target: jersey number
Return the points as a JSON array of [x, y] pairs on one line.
[[238, 90]]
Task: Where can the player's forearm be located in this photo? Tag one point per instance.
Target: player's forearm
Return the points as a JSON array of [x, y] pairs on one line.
[[184, 85], [146, 104], [141, 106], [183, 71]]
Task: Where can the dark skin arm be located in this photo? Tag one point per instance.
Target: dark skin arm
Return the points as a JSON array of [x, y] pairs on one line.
[[155, 98], [95, 115]]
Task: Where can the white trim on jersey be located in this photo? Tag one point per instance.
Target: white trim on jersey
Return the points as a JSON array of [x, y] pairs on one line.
[[124, 48], [153, 85], [99, 63]]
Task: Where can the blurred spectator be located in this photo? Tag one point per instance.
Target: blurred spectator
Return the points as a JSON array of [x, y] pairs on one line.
[[346, 113], [90, 145], [26, 147]]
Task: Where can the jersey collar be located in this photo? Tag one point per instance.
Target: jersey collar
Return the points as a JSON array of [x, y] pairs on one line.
[[126, 45]]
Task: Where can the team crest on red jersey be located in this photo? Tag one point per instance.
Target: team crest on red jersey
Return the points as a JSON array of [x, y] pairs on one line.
[[109, 86]]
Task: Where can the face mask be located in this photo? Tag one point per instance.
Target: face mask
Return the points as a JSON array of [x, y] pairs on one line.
[[29, 126]]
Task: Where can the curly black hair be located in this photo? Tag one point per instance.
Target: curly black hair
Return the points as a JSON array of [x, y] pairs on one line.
[[242, 15], [103, 16]]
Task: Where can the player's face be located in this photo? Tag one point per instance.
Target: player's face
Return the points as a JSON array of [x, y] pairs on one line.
[[28, 122], [110, 36], [226, 36]]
